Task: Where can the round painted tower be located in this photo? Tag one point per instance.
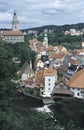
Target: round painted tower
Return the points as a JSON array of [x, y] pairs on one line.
[[15, 22]]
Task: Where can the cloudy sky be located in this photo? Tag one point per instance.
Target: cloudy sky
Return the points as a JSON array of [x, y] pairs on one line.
[[33, 13]]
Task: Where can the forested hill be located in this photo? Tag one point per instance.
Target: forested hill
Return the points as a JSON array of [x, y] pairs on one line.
[[61, 27]]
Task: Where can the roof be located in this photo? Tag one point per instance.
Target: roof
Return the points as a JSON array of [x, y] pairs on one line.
[[42, 85], [26, 69], [50, 71], [76, 81], [65, 79], [39, 76], [72, 61], [50, 48], [29, 80], [60, 47], [62, 91], [56, 56], [11, 33], [33, 41]]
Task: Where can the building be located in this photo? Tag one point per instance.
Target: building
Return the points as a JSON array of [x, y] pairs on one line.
[[26, 71], [50, 76], [82, 44], [44, 80], [61, 91], [46, 40], [80, 56], [76, 84], [15, 22], [15, 35]]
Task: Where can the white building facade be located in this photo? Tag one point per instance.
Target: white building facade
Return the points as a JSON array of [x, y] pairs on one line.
[[50, 78], [79, 93], [49, 84]]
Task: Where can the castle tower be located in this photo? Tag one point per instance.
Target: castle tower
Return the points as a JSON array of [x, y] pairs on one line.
[[15, 22]]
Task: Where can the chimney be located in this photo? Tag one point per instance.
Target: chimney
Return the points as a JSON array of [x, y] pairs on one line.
[[30, 64]]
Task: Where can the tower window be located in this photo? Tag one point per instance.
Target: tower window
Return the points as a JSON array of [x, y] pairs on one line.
[[48, 79], [49, 89]]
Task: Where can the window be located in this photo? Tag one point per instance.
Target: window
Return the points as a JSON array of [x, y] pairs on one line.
[[78, 94], [48, 79], [49, 89]]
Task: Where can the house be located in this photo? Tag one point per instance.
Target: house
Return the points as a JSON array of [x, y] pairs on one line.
[[80, 56], [33, 44], [76, 84], [50, 49], [40, 64], [82, 44], [44, 80], [73, 32], [56, 49], [37, 46], [50, 76], [36, 82], [73, 61], [72, 70], [62, 49], [56, 59], [59, 57], [61, 91], [26, 71]]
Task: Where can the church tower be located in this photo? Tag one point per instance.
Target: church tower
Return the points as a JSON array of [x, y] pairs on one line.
[[15, 22], [46, 40]]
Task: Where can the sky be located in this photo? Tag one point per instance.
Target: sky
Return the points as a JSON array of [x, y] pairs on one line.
[[35, 13]]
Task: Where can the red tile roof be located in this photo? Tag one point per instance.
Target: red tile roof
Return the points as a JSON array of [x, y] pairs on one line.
[[50, 71], [39, 76], [29, 80], [50, 48], [56, 56], [72, 61], [11, 33], [77, 80]]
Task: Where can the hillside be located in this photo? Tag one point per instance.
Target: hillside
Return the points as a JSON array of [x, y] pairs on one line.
[[61, 27]]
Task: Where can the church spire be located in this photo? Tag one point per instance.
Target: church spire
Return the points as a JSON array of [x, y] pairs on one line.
[[15, 22]]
